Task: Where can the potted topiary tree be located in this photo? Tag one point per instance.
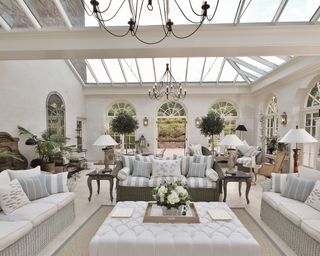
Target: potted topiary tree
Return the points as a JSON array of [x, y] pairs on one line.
[[211, 125], [124, 124]]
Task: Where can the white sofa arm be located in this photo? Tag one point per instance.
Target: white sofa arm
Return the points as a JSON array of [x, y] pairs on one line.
[[212, 174], [123, 173]]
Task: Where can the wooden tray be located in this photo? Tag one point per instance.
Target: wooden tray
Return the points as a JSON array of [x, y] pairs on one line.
[[171, 219]]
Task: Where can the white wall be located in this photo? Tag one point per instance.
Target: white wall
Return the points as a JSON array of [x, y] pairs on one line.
[[24, 88]]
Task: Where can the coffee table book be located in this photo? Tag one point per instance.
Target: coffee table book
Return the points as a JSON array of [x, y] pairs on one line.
[[148, 218]]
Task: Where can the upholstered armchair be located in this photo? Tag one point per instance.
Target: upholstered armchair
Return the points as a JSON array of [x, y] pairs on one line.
[[267, 168]]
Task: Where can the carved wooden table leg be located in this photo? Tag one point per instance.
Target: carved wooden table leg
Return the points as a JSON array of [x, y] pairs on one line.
[[248, 189], [111, 188], [239, 187], [225, 182], [98, 183], [89, 182]]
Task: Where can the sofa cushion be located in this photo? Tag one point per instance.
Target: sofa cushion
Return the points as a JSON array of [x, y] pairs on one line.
[[313, 199], [278, 182], [275, 199], [185, 162], [244, 147], [245, 160], [142, 169], [252, 151], [36, 213], [127, 161], [312, 228], [35, 187], [195, 149], [60, 199], [4, 179], [11, 232], [57, 183], [144, 158], [197, 170], [309, 173], [195, 182], [208, 160], [132, 181], [297, 188], [296, 212], [166, 167], [12, 197], [20, 174], [124, 173], [156, 181], [212, 175]]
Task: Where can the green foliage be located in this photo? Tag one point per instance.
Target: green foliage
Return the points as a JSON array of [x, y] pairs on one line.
[[123, 123], [172, 129], [7, 154], [211, 124]]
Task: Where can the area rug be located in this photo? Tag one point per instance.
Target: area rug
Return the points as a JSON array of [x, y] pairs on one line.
[[78, 243]]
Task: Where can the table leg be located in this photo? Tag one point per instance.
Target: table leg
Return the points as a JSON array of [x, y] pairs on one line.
[[111, 189], [248, 189], [225, 190], [98, 183], [240, 183], [89, 182]]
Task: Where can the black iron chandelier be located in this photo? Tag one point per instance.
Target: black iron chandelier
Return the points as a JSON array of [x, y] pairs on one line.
[[167, 87], [136, 9]]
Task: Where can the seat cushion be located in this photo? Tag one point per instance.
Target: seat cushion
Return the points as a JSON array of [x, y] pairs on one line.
[[156, 181], [312, 228], [297, 212], [11, 232], [274, 199], [195, 182], [132, 181], [36, 213], [59, 199]]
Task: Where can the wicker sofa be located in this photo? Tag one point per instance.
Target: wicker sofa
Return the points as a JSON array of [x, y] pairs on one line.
[[130, 188], [295, 222]]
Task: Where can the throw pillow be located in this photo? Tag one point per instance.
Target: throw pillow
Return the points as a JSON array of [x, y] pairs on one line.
[[34, 187], [12, 197], [244, 148], [144, 158], [166, 167], [297, 188], [4, 179], [309, 173], [127, 161], [252, 151], [124, 173], [212, 174], [278, 182], [21, 174], [197, 170], [57, 183], [142, 169], [208, 160], [196, 149], [313, 199]]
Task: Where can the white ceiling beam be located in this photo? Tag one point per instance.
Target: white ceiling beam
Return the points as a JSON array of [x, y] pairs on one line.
[[248, 65], [4, 24], [285, 58], [123, 72], [239, 12], [63, 13], [315, 17], [104, 64], [264, 61], [29, 14], [279, 11], [239, 71], [138, 69], [92, 72]]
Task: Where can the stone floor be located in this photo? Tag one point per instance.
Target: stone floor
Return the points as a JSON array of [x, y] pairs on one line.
[[84, 208]]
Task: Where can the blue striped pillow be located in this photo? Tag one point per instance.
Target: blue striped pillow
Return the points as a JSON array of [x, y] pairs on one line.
[[142, 169], [34, 187], [197, 170], [57, 183]]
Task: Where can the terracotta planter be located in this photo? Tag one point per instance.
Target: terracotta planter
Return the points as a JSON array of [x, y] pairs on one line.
[[48, 167]]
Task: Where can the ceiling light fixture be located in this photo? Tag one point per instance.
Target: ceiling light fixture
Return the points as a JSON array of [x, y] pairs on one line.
[[162, 10], [167, 87]]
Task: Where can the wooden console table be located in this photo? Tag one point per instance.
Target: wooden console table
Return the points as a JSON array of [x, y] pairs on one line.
[[98, 175]]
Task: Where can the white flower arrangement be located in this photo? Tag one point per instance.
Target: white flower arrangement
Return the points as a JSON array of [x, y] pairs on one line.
[[171, 194]]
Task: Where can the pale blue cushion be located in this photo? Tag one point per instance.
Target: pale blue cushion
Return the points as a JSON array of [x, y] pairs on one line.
[[57, 183], [197, 170], [34, 187], [142, 169]]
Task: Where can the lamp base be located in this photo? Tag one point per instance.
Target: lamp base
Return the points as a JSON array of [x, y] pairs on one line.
[[296, 153], [108, 158]]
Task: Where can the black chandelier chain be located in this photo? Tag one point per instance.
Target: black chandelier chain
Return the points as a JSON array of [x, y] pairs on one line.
[[167, 22]]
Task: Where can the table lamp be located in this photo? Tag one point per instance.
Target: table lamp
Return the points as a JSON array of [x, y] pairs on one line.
[[297, 136], [231, 140], [108, 142]]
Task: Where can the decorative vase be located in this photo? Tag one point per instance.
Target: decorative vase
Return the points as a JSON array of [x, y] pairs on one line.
[[171, 211]]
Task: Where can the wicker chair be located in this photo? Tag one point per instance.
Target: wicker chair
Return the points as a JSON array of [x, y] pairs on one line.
[[267, 168]]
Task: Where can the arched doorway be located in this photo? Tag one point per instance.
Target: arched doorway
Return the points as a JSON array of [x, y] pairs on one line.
[[172, 129]]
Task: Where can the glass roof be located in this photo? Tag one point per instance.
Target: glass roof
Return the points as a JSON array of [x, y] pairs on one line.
[[187, 70]]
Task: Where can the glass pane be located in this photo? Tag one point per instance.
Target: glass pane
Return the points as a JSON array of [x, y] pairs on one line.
[[239, 79], [80, 66], [146, 70], [228, 73], [273, 59], [114, 70], [249, 70], [90, 78], [255, 63], [298, 10], [226, 11], [46, 12], [178, 69], [130, 70], [260, 11], [99, 71], [75, 12], [178, 18], [160, 67], [195, 69], [12, 13], [212, 69]]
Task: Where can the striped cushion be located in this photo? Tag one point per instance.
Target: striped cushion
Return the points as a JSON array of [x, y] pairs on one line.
[[134, 182], [278, 182], [144, 158], [123, 173], [195, 182], [142, 169], [34, 187], [156, 181], [212, 175], [208, 160], [297, 188], [57, 183], [185, 162], [127, 161], [197, 170]]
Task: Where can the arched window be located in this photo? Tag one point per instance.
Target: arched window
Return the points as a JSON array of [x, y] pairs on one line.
[[171, 108], [272, 120], [312, 109], [56, 113], [113, 111], [229, 113]]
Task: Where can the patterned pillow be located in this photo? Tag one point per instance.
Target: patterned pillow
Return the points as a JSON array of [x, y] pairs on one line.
[[166, 167], [297, 188], [313, 199], [142, 169], [34, 187], [197, 170], [208, 160], [57, 183], [12, 197]]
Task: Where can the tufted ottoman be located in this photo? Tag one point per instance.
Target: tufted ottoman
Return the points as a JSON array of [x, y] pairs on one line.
[[132, 237]]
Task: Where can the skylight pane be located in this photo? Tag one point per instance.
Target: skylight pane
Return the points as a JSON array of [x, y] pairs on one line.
[[226, 11], [178, 18], [12, 13], [255, 63], [212, 69], [228, 73], [150, 17], [99, 71], [80, 67], [130, 69], [273, 59], [90, 78], [114, 70], [160, 66], [178, 69], [299, 10], [248, 70], [146, 70], [239, 79], [195, 69], [75, 12], [260, 11]]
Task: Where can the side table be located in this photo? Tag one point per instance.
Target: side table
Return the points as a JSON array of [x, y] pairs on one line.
[[98, 175], [239, 177]]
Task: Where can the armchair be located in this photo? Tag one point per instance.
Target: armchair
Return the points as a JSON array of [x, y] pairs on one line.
[[267, 168]]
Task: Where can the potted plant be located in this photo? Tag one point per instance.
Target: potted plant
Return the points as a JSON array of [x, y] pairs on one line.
[[124, 124], [272, 143], [211, 125]]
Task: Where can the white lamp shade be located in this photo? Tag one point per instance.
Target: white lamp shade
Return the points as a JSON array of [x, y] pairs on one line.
[[298, 136], [105, 140], [231, 140]]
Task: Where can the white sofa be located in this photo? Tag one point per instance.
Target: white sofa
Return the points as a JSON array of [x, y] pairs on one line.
[[29, 228], [295, 222]]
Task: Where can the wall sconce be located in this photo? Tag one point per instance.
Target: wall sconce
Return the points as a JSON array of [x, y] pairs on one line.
[[284, 118], [145, 121], [197, 122]]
